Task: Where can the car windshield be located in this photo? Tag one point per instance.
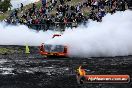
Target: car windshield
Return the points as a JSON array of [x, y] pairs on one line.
[[54, 48]]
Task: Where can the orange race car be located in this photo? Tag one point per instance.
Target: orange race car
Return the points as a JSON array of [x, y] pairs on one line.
[[53, 50]]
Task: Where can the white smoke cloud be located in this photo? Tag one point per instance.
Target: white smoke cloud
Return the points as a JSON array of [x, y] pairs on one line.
[[22, 35], [111, 37], [17, 3]]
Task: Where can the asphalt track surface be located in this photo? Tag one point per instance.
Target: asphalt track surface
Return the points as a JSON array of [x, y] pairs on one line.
[[35, 71]]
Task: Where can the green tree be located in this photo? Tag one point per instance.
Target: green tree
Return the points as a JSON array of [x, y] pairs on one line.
[[4, 5], [0, 5]]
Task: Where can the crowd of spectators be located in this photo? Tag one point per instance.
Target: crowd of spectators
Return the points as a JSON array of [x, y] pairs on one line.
[[65, 15]]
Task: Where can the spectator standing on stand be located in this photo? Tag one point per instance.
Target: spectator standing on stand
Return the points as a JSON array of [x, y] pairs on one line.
[[44, 2], [21, 6]]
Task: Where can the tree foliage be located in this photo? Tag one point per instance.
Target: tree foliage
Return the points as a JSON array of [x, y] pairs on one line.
[[5, 5]]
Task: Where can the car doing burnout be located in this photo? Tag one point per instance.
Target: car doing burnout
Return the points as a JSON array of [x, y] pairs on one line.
[[53, 50]]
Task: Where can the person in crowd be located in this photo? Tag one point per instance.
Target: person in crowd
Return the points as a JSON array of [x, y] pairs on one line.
[[65, 15], [21, 6]]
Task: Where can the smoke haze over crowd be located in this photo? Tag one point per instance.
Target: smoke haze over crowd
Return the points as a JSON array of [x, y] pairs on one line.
[[111, 37], [22, 35]]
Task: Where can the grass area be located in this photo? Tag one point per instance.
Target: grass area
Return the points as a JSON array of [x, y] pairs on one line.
[[9, 51], [2, 16], [4, 50], [74, 2], [86, 11]]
